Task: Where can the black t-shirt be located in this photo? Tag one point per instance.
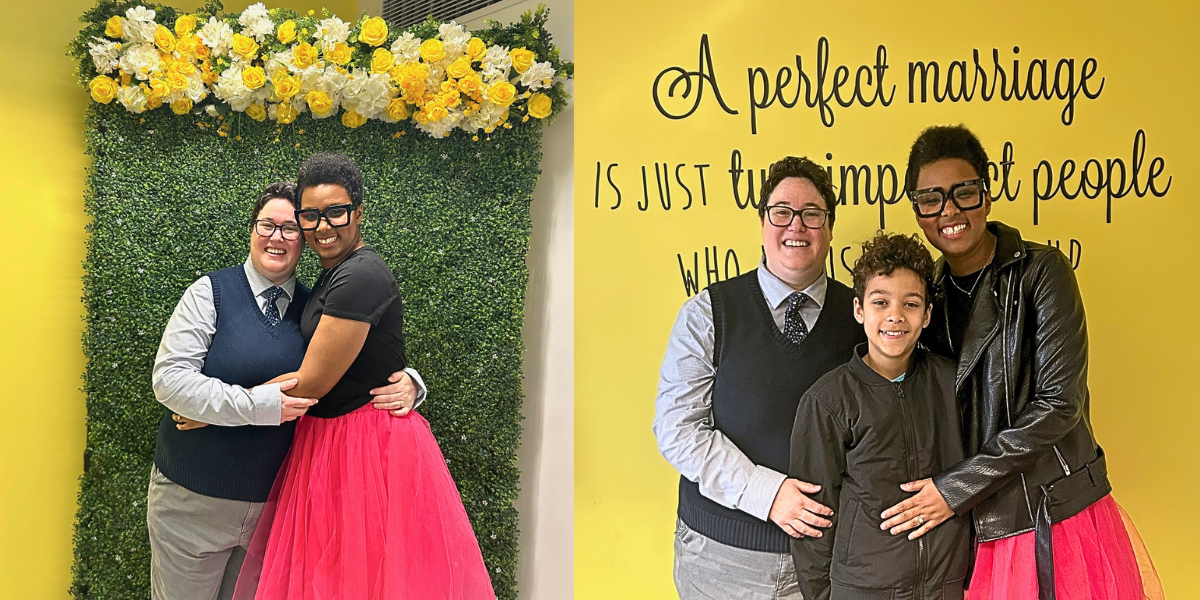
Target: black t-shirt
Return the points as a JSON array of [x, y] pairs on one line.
[[960, 296], [360, 288]]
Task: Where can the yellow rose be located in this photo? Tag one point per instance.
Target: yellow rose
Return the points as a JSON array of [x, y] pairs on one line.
[[319, 102], [287, 86], [502, 94], [244, 46], [181, 106], [113, 28], [254, 78], [185, 25], [451, 99], [286, 113], [207, 75], [304, 55], [183, 45], [339, 54], [397, 109], [201, 50], [256, 111], [164, 39], [352, 119], [433, 50], [539, 106], [459, 68], [374, 32], [183, 68], [158, 90], [476, 49], [287, 32], [177, 82], [470, 84], [381, 60], [437, 113], [522, 58], [103, 89]]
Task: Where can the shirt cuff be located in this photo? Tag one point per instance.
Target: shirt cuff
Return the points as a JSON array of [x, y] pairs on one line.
[[267, 407], [761, 490], [420, 383]]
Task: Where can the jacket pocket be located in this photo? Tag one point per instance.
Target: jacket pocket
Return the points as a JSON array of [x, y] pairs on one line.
[[841, 591], [865, 555]]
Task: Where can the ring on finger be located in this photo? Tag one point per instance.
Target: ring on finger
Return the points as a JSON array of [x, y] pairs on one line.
[[920, 519]]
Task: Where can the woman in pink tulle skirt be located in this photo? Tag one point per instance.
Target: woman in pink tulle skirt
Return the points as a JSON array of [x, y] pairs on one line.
[[364, 507], [1035, 481]]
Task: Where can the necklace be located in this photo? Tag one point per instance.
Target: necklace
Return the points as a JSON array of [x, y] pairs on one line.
[[971, 292]]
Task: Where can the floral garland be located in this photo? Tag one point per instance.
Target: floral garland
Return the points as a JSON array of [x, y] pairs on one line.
[[275, 64]]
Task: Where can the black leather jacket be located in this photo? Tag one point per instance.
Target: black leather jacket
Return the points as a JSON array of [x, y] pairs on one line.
[[1022, 390]]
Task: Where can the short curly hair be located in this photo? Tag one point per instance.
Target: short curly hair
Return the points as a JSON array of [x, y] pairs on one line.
[[885, 253], [330, 167], [280, 190], [945, 141], [798, 166]]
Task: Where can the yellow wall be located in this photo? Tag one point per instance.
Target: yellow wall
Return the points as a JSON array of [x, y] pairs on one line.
[[1137, 273], [42, 168]]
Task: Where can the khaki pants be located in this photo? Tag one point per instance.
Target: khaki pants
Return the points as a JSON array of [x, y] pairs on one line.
[[197, 542], [706, 569]]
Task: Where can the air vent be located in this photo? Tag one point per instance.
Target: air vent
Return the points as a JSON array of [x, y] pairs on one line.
[[403, 13]]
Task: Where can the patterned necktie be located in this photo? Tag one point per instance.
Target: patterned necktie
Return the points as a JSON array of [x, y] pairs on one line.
[[793, 326], [273, 294]]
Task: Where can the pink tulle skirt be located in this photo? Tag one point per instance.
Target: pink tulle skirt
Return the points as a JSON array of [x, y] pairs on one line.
[[1093, 560], [364, 508]]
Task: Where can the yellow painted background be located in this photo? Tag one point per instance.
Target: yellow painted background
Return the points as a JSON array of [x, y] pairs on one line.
[[1138, 274], [42, 169]]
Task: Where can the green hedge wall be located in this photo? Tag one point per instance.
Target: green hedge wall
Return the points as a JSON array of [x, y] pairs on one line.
[[170, 201]]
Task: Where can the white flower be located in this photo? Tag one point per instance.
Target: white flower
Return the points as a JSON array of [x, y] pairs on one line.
[[536, 76], [406, 48], [255, 22], [140, 60], [132, 98], [333, 31], [454, 38], [496, 63], [230, 88], [281, 60], [218, 35], [105, 54], [140, 13], [368, 94], [196, 90], [439, 129], [139, 32]]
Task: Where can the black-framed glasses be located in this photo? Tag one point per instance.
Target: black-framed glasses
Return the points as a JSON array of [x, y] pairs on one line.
[[966, 195], [288, 231], [337, 215], [782, 215]]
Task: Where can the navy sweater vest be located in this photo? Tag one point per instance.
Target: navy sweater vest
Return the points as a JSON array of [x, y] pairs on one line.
[[760, 379], [237, 463]]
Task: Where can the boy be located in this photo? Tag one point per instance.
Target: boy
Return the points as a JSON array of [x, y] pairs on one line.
[[887, 417]]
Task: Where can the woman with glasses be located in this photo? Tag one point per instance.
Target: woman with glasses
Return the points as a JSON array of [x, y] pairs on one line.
[[364, 506], [1035, 480], [232, 330]]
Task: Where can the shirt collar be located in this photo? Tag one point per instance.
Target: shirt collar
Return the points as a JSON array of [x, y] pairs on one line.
[[259, 282], [776, 291]]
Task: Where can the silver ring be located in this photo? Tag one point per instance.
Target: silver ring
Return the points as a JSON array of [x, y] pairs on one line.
[[920, 519]]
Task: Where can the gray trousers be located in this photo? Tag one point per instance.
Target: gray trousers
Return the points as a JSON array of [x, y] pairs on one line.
[[197, 542], [706, 569]]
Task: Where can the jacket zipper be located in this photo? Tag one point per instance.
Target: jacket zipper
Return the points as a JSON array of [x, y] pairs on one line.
[[909, 446]]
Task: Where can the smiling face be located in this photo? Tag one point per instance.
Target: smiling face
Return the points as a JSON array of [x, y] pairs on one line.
[[893, 312], [332, 244], [796, 254], [274, 257], [962, 236]]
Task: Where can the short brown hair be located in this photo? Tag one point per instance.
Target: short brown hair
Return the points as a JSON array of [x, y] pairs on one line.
[[885, 253], [798, 166], [280, 189]]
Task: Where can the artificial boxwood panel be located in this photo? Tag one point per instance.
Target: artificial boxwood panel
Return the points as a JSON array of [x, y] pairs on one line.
[[170, 201]]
